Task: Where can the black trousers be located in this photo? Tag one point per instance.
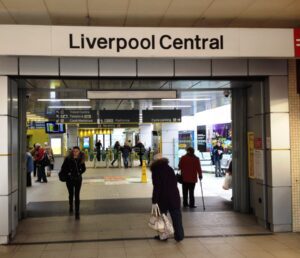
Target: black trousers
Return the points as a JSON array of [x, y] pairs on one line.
[[41, 174], [34, 168], [28, 179], [74, 186], [177, 224], [188, 190]]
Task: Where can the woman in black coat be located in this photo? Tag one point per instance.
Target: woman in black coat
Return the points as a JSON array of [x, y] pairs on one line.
[[74, 167], [166, 194]]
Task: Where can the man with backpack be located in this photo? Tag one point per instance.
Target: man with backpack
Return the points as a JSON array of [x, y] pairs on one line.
[[42, 161]]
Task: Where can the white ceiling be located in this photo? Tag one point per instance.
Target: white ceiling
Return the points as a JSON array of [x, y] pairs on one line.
[[164, 13]]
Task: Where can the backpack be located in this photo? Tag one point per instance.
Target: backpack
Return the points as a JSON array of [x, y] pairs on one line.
[[45, 162]]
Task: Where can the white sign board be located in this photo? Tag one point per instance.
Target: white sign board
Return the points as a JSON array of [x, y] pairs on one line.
[[145, 42]]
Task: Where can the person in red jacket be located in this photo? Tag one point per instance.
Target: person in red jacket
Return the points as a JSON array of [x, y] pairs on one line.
[[190, 167], [39, 156]]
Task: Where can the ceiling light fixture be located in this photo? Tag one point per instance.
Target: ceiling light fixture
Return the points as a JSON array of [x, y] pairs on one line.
[[65, 100], [69, 107], [178, 106], [200, 99]]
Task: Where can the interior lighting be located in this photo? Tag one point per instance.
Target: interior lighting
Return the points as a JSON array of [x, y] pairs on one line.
[[69, 107], [200, 99], [63, 100], [132, 94], [177, 106]]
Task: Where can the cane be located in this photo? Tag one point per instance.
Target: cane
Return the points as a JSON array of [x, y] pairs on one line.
[[202, 195]]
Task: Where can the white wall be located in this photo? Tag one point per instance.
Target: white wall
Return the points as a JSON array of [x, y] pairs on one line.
[[146, 134]]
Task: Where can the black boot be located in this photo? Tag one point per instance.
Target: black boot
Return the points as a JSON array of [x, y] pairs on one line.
[[77, 216], [71, 209]]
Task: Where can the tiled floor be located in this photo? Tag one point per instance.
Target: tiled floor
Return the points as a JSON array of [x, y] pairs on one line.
[[284, 245], [208, 234]]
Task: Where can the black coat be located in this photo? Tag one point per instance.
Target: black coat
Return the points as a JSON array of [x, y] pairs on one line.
[[74, 168], [165, 191]]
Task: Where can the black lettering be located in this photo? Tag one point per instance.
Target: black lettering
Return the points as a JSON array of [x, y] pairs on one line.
[[153, 41], [214, 43], [102, 43], [188, 43], [121, 44], [82, 40], [92, 43], [132, 42], [145, 43], [110, 42], [71, 42], [198, 42], [161, 42], [177, 43], [204, 40], [221, 40]]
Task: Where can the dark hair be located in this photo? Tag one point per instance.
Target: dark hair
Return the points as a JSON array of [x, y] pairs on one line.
[[76, 147], [190, 150]]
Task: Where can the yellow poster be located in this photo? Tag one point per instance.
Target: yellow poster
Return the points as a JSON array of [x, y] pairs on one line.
[[251, 171]]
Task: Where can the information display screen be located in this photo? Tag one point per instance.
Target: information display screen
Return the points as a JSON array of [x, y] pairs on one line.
[[52, 127]]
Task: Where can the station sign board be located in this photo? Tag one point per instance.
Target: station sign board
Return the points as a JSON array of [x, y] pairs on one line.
[[119, 116], [162, 116], [76, 116], [108, 126]]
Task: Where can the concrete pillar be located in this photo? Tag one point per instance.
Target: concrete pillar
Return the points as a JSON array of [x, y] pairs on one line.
[[8, 159], [278, 155], [169, 134], [146, 134]]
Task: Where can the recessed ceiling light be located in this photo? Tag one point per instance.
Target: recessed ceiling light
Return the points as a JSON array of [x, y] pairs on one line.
[[199, 99], [178, 106], [69, 107], [65, 100]]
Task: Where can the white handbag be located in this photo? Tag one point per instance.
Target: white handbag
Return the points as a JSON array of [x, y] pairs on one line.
[[156, 221], [169, 229], [227, 182]]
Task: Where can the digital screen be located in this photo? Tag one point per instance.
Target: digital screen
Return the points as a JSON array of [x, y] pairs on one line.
[[86, 142], [52, 127]]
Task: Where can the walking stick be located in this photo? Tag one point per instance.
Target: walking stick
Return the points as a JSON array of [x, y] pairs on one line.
[[202, 195]]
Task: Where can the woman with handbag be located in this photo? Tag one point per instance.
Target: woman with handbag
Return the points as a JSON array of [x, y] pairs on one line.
[[73, 168], [166, 195]]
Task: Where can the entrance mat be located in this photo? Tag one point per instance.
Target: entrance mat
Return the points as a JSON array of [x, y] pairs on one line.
[[117, 206]]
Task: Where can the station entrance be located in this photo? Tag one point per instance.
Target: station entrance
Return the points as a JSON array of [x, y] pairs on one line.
[[207, 115]]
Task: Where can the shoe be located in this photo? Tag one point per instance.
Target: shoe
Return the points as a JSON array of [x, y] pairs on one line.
[[77, 216], [158, 238], [193, 207], [185, 205], [37, 181]]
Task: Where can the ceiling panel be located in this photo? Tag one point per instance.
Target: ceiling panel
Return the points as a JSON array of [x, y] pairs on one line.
[[28, 12], [5, 17], [152, 12], [184, 13]]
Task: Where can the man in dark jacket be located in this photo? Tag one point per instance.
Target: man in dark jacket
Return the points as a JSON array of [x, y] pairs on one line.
[[190, 167], [217, 156], [139, 148], [98, 146], [126, 150], [166, 194]]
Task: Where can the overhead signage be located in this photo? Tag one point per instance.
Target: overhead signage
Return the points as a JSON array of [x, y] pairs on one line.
[[119, 116], [162, 116], [76, 116], [108, 126], [30, 40], [36, 125]]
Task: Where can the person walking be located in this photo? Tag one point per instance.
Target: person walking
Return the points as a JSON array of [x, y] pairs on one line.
[[217, 156], [50, 154], [166, 195], [98, 146], [117, 147], [126, 150], [29, 167], [190, 167], [74, 166], [40, 157], [139, 148]]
